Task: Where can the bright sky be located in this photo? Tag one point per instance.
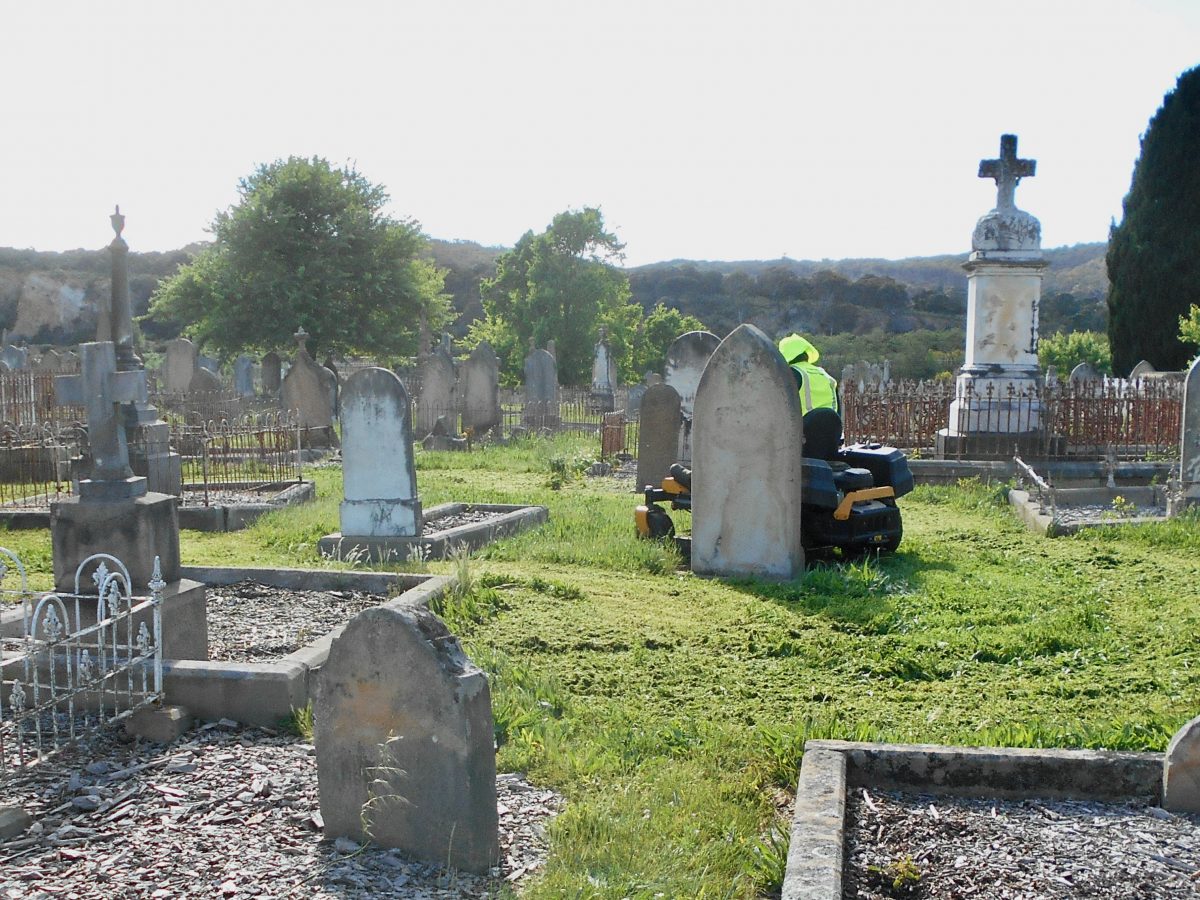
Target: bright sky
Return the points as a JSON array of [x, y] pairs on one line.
[[731, 130]]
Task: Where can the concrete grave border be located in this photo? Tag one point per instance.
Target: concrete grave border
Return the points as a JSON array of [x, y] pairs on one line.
[[263, 693], [232, 517], [1030, 512], [816, 852]]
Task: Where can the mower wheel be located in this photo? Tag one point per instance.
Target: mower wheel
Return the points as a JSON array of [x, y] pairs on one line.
[[660, 523]]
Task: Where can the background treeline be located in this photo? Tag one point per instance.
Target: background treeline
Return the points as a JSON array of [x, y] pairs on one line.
[[910, 311]]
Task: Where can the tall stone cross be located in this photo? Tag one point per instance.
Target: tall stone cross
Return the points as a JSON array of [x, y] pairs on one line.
[[1007, 171], [100, 388]]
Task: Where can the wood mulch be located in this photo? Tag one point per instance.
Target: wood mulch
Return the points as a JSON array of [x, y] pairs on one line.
[[950, 848]]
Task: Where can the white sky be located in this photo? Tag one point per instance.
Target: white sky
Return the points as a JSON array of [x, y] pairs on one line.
[[733, 130]]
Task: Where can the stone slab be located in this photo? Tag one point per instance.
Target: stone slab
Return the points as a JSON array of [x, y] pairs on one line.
[[14, 822], [1017, 773], [135, 531], [1181, 770], [160, 724]]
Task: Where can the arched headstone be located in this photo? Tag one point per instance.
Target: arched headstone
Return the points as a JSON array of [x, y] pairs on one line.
[[658, 434], [686, 358], [1084, 373], [746, 463], [178, 366], [1142, 368], [204, 381], [481, 390]]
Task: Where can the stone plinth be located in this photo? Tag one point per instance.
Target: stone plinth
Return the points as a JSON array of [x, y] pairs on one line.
[[134, 530]]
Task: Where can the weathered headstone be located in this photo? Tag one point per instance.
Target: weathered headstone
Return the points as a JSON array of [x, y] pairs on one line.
[[179, 364], [379, 479], [1181, 770], [51, 361], [686, 358], [746, 463], [439, 380], [1189, 441], [243, 376], [272, 376], [997, 390], [541, 390], [404, 740], [305, 390], [1142, 368], [633, 400], [604, 375], [481, 390], [658, 434], [204, 381], [1085, 372], [209, 362]]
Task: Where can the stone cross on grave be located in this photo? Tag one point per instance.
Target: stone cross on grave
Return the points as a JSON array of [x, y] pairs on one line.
[[1007, 171], [101, 388]]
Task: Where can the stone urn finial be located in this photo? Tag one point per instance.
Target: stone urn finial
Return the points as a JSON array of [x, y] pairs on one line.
[[118, 222], [301, 337]]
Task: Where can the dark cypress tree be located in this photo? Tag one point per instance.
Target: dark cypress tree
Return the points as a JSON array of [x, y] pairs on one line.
[[1154, 254]]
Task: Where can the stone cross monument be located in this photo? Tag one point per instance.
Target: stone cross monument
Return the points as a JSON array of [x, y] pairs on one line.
[[996, 402]]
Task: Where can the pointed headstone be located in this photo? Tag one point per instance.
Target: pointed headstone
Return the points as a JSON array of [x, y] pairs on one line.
[[305, 391], [746, 463]]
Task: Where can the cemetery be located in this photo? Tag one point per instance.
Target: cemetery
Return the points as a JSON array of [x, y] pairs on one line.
[[408, 642]]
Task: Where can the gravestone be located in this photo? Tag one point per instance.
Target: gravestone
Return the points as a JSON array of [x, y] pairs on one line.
[[204, 381], [51, 361], [658, 434], [481, 390], [404, 740], [1181, 770], [1142, 368], [604, 375], [633, 400], [1189, 441], [686, 358], [207, 362], [541, 391], [380, 508], [113, 511], [746, 465], [179, 364], [272, 377], [1084, 373], [438, 382], [17, 358], [997, 402], [305, 390], [243, 376]]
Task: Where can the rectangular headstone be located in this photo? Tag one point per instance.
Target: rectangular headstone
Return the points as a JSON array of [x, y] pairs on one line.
[[179, 365], [438, 382], [481, 390], [658, 434]]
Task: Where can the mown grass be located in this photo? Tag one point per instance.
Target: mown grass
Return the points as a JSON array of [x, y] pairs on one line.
[[672, 711]]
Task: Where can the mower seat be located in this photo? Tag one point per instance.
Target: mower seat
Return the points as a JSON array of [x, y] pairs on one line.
[[822, 434], [852, 479]]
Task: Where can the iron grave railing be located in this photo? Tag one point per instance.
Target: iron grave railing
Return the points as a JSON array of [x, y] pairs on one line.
[[80, 661]]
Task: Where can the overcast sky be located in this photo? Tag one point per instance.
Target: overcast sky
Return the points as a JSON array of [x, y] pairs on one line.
[[733, 130]]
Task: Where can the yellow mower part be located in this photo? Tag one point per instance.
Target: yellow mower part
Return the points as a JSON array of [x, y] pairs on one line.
[[671, 486], [842, 513], [641, 518]]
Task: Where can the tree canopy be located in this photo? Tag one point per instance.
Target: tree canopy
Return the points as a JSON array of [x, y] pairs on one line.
[[306, 245], [1154, 254], [559, 285], [1065, 351]]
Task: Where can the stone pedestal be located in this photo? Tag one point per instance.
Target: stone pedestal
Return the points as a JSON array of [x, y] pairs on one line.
[[135, 530]]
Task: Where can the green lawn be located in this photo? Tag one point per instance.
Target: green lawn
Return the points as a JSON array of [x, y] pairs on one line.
[[671, 711]]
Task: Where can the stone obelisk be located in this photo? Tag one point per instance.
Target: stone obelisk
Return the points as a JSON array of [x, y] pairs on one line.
[[148, 436], [997, 404]]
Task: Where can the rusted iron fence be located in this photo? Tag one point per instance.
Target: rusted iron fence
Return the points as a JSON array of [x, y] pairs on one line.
[[34, 462], [27, 399], [1139, 418], [79, 661], [248, 454]]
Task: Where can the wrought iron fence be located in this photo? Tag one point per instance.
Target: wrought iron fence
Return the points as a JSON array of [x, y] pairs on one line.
[[35, 462], [27, 399], [1138, 418], [80, 661], [246, 454]]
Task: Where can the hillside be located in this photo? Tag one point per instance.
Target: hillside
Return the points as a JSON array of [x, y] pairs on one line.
[[48, 297]]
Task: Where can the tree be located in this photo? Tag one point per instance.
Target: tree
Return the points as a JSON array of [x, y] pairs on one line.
[[1066, 351], [1154, 254], [559, 285], [307, 245], [1189, 327], [653, 338]]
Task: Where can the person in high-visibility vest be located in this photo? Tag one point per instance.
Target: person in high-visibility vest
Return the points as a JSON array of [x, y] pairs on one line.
[[818, 389]]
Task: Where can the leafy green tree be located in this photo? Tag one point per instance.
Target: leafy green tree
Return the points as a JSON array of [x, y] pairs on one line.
[[1066, 351], [306, 245], [653, 337], [1154, 254], [559, 285]]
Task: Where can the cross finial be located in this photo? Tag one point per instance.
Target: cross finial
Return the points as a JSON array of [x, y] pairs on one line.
[[301, 337], [1008, 171]]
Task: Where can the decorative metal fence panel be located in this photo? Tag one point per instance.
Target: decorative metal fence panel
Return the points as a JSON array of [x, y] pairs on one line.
[[81, 661], [27, 399], [34, 462], [1139, 418], [249, 454]]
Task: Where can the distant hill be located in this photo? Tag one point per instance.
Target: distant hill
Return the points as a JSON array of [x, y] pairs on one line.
[[48, 297]]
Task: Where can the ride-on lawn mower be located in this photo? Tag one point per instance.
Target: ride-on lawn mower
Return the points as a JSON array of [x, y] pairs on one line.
[[848, 494]]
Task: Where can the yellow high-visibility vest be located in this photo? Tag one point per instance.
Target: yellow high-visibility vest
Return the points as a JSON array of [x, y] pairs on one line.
[[818, 388]]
